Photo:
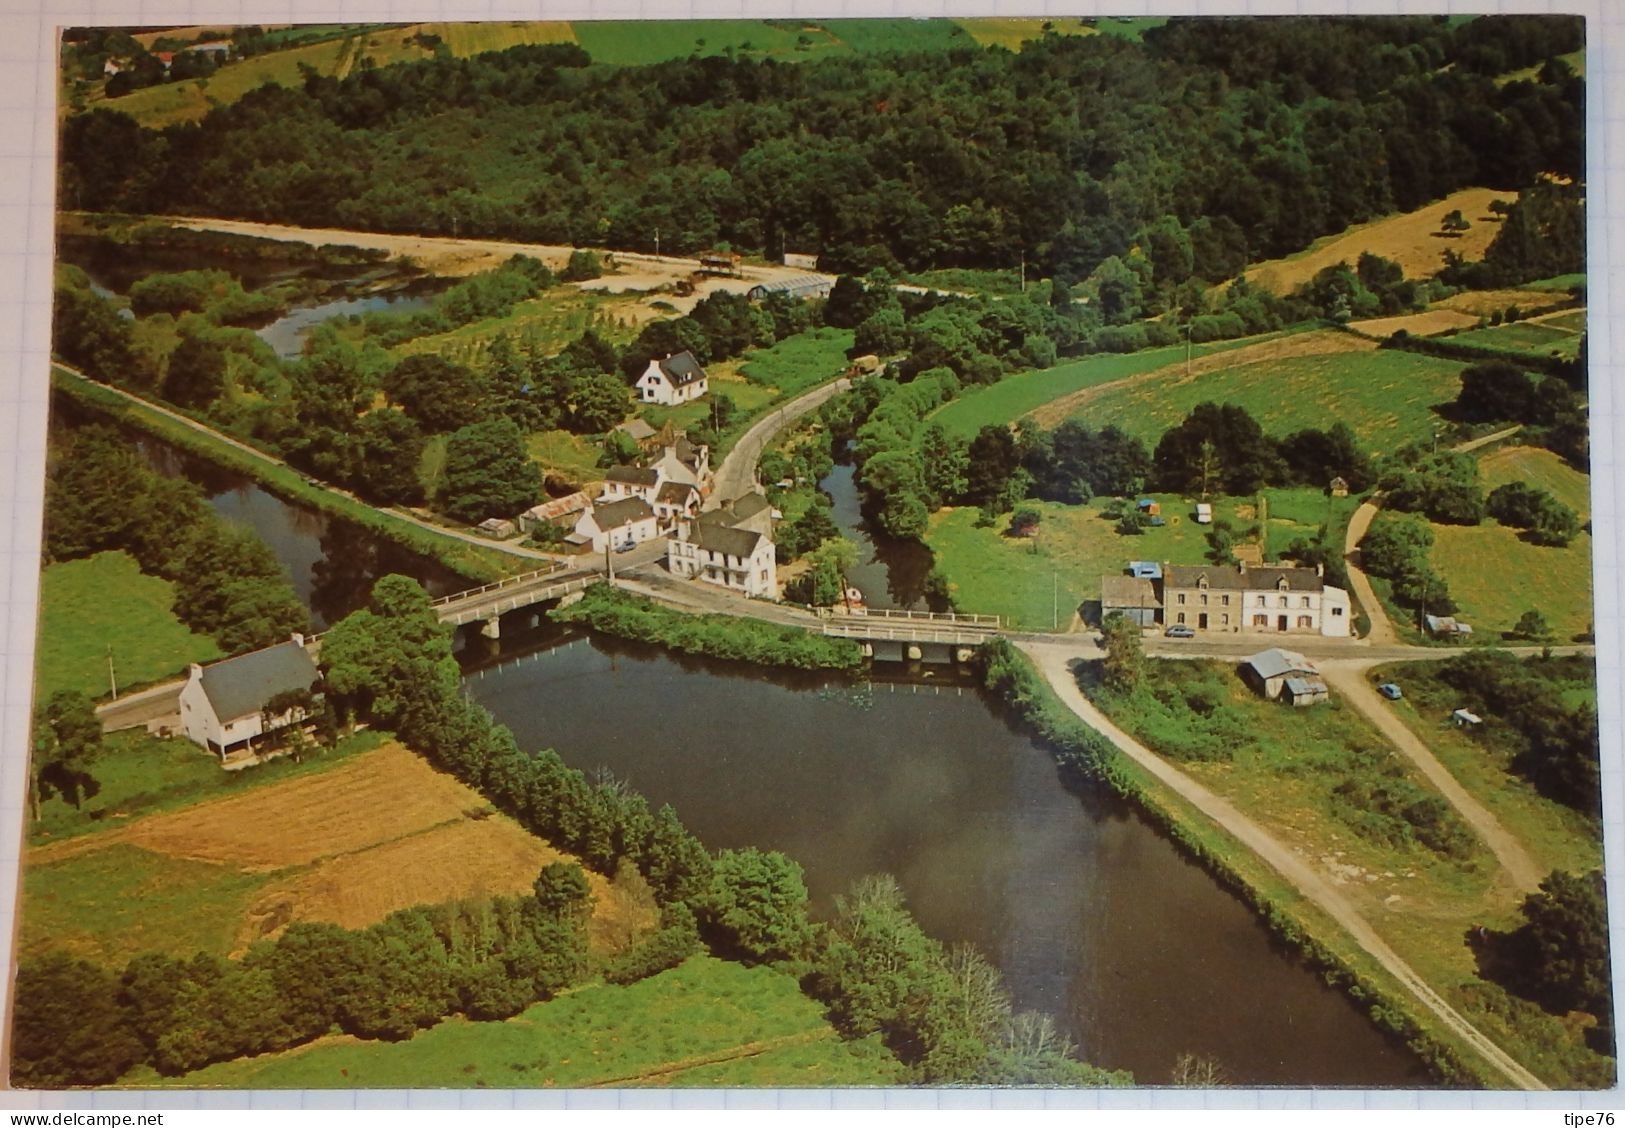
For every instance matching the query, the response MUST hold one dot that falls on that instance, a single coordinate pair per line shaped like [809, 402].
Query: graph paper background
[27, 142]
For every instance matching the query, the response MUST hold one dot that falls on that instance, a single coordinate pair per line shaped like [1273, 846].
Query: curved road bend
[737, 474]
[1055, 663]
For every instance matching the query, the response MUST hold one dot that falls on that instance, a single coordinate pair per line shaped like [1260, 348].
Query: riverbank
[474, 562]
[1324, 940]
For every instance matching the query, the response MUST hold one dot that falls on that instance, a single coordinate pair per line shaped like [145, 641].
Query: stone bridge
[914, 636]
[489, 603]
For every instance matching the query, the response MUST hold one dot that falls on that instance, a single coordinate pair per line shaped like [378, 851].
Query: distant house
[1244, 597]
[223, 704]
[114, 66]
[1275, 673]
[674, 380]
[632, 481]
[686, 462]
[750, 511]
[675, 503]
[796, 286]
[1134, 597]
[616, 524]
[560, 511]
[640, 432]
[1204, 513]
[801, 261]
[496, 528]
[1339, 487]
[1465, 719]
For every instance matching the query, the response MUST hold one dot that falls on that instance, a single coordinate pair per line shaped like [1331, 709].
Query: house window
[1261, 620]
[1182, 616]
[1225, 620]
[1304, 602]
[1204, 601]
[1182, 600]
[1283, 601]
[1337, 612]
[1225, 600]
[1306, 620]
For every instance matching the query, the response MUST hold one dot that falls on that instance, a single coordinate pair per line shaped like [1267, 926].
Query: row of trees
[102, 496]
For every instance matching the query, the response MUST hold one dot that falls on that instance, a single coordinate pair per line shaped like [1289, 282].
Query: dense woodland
[1240, 140]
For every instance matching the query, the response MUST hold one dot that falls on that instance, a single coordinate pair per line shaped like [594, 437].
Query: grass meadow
[104, 604]
[1538, 338]
[799, 362]
[1495, 577]
[1386, 396]
[702, 1024]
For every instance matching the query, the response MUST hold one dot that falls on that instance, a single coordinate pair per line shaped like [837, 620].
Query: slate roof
[1127, 591]
[1243, 579]
[638, 428]
[686, 452]
[725, 539]
[633, 475]
[1274, 662]
[675, 493]
[241, 686]
[682, 369]
[1299, 687]
[617, 514]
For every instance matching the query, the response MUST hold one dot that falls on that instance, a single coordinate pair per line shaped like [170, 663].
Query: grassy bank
[706, 1023]
[1085, 754]
[103, 607]
[478, 564]
[615, 612]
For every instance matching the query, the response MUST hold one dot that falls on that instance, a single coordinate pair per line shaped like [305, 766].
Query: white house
[632, 481]
[683, 461]
[222, 704]
[675, 504]
[1254, 598]
[617, 524]
[738, 559]
[674, 380]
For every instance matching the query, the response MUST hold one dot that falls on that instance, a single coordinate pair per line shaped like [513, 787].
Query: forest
[1240, 140]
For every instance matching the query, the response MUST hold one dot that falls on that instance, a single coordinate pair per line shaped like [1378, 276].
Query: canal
[1091, 913]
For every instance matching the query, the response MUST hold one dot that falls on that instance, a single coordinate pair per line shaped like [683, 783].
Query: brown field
[384, 831]
[1482, 303]
[1411, 239]
[1423, 324]
[1321, 342]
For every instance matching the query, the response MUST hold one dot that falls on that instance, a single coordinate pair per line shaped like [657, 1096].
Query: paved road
[737, 474]
[1056, 661]
[1349, 680]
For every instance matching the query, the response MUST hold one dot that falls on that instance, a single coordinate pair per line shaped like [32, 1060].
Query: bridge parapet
[943, 634]
[512, 581]
[951, 618]
[493, 603]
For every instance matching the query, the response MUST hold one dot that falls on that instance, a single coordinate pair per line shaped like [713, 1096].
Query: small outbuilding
[1133, 597]
[496, 528]
[1145, 569]
[1446, 626]
[1339, 487]
[1465, 719]
[1270, 672]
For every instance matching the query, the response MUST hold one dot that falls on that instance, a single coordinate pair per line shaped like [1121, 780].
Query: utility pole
[111, 679]
[1187, 350]
[657, 242]
[1023, 270]
[1055, 600]
[609, 562]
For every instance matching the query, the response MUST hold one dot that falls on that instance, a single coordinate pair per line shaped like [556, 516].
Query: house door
[1201, 620]
[1280, 622]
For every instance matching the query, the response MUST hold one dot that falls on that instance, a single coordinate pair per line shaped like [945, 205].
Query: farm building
[496, 528]
[1275, 673]
[1145, 569]
[797, 286]
[725, 263]
[674, 380]
[1446, 626]
[1148, 506]
[1134, 597]
[801, 262]
[1339, 487]
[559, 511]
[223, 704]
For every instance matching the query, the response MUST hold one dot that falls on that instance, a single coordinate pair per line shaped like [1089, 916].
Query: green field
[139, 774]
[1574, 321]
[704, 1023]
[1013, 32]
[114, 903]
[1386, 396]
[101, 603]
[1538, 467]
[546, 324]
[641, 42]
[1558, 282]
[799, 362]
[564, 456]
[1541, 339]
[1495, 577]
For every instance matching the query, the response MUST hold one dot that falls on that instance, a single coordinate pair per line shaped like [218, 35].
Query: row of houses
[1228, 599]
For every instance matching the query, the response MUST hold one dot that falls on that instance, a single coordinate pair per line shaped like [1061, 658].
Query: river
[890, 572]
[1091, 913]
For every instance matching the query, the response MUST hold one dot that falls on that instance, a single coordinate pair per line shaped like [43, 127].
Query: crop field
[704, 1023]
[1487, 303]
[1386, 396]
[466, 39]
[104, 605]
[1423, 324]
[1538, 467]
[868, 37]
[548, 323]
[641, 42]
[377, 832]
[172, 102]
[1574, 321]
[1525, 336]
[1410, 239]
[1560, 282]
[1495, 577]
[1013, 32]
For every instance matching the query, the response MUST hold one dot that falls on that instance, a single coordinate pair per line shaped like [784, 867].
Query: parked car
[1391, 691]
[1180, 632]
[627, 547]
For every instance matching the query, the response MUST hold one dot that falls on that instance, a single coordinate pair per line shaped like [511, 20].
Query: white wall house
[617, 524]
[683, 461]
[1252, 598]
[222, 704]
[738, 559]
[674, 380]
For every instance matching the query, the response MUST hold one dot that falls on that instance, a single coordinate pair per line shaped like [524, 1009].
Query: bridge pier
[868, 650]
[963, 655]
[492, 627]
[914, 652]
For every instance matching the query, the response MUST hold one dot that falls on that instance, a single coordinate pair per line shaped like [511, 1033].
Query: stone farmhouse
[223, 704]
[1230, 599]
[674, 380]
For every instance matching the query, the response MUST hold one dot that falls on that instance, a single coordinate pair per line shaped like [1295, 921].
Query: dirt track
[1055, 663]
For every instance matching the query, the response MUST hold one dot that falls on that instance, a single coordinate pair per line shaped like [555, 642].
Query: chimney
[298, 640]
[194, 672]
[1242, 565]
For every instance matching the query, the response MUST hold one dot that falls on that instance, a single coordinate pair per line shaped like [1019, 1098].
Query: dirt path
[732, 1053]
[1055, 663]
[1319, 342]
[1349, 680]
[1381, 632]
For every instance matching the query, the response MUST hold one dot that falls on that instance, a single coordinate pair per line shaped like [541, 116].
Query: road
[1055, 662]
[737, 474]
